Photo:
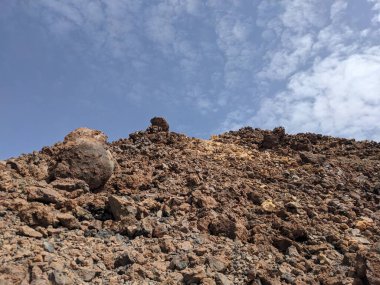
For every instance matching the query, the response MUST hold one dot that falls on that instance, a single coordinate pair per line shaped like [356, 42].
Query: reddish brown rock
[68, 220]
[37, 215]
[303, 209]
[45, 195]
[121, 207]
[224, 226]
[29, 232]
[84, 155]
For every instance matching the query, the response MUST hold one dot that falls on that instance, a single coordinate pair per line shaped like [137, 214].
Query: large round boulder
[84, 155]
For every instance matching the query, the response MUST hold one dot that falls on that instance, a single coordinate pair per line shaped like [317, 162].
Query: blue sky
[207, 66]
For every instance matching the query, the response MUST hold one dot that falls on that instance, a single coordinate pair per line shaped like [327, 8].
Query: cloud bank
[337, 96]
[329, 68]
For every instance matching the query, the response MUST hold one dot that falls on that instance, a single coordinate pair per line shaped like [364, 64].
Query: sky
[206, 66]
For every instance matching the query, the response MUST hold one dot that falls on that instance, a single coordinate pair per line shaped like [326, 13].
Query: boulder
[217, 263]
[301, 144]
[159, 124]
[85, 134]
[84, 155]
[273, 139]
[280, 132]
[194, 275]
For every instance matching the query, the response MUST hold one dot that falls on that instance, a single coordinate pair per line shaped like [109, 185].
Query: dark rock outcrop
[158, 124]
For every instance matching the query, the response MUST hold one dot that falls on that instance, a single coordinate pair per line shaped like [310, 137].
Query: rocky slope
[245, 207]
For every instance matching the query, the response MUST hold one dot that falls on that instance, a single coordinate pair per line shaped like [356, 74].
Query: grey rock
[48, 247]
[179, 262]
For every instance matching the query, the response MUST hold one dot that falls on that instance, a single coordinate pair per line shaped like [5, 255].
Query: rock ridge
[246, 207]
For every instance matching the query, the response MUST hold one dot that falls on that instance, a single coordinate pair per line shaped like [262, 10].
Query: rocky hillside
[246, 207]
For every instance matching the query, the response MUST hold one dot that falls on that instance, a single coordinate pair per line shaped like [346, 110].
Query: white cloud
[330, 70]
[338, 96]
[337, 10]
[301, 15]
[106, 25]
[293, 30]
[61, 16]
[285, 61]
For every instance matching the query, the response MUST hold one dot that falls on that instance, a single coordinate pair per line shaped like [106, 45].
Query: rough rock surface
[84, 155]
[158, 124]
[246, 207]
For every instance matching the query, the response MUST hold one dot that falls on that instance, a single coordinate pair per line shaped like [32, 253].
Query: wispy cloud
[294, 33]
[141, 41]
[208, 48]
[376, 9]
[304, 64]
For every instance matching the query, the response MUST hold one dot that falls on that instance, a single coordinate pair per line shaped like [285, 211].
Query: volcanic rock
[245, 207]
[45, 195]
[308, 157]
[224, 226]
[222, 279]
[120, 207]
[217, 263]
[84, 155]
[29, 232]
[268, 206]
[159, 124]
[270, 141]
[37, 215]
[68, 220]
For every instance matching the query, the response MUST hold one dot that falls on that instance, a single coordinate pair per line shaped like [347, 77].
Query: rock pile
[246, 207]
